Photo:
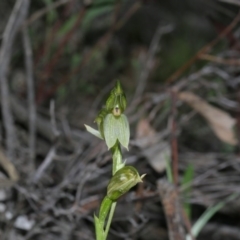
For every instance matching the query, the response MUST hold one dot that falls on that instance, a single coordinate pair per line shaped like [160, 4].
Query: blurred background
[179, 65]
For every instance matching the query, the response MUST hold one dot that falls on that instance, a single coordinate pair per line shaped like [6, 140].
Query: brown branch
[232, 61]
[55, 58]
[204, 50]
[172, 209]
[35, 16]
[174, 143]
[16, 19]
[101, 43]
[46, 45]
[51, 35]
[147, 66]
[43, 125]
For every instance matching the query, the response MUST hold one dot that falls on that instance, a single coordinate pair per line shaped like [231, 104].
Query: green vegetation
[113, 127]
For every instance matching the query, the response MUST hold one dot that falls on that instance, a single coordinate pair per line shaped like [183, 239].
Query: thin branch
[101, 43]
[205, 49]
[16, 19]
[232, 61]
[47, 161]
[149, 58]
[174, 142]
[172, 209]
[55, 130]
[55, 58]
[31, 94]
[51, 35]
[234, 2]
[44, 11]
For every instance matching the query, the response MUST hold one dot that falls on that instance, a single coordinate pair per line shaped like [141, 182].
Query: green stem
[107, 204]
[104, 209]
[110, 217]
[100, 222]
[117, 157]
[117, 164]
[98, 229]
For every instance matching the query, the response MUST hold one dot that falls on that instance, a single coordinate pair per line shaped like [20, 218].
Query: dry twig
[44, 11]
[161, 30]
[232, 61]
[9, 168]
[205, 49]
[101, 43]
[47, 161]
[174, 142]
[172, 209]
[31, 94]
[16, 19]
[234, 2]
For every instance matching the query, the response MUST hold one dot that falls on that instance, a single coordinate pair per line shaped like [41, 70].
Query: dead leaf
[6, 164]
[145, 134]
[155, 151]
[221, 122]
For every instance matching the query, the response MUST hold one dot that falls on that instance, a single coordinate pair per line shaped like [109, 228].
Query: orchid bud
[116, 102]
[124, 179]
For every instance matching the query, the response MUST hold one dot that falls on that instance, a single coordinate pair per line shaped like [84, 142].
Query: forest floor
[179, 66]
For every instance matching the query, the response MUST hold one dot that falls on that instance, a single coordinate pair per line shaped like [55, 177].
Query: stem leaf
[93, 131]
[98, 228]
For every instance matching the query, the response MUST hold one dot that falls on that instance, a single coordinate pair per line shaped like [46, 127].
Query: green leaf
[205, 217]
[93, 131]
[75, 60]
[98, 228]
[116, 128]
[120, 165]
[95, 12]
[52, 14]
[68, 24]
[104, 209]
[187, 179]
